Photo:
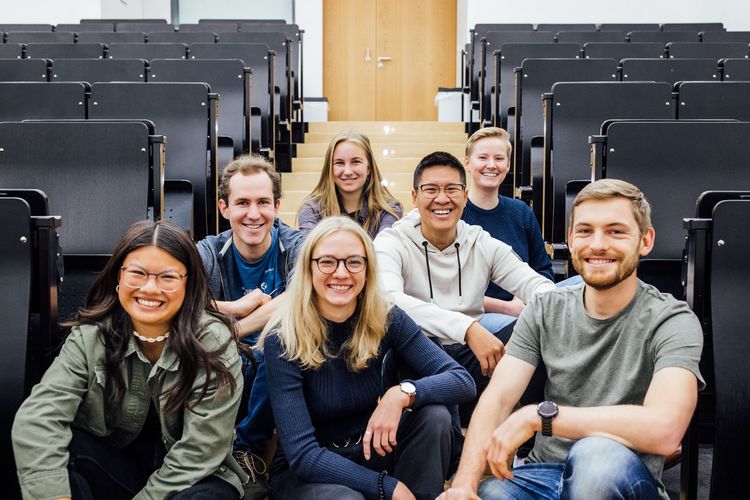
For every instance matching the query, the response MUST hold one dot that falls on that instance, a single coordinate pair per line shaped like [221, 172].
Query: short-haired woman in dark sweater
[340, 435]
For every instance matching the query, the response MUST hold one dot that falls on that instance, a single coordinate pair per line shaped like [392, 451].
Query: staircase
[398, 147]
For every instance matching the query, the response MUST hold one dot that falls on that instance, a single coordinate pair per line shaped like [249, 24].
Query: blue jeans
[257, 427]
[596, 467]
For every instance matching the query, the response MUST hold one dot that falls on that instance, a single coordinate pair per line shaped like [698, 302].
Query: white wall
[48, 11]
[309, 16]
[136, 9]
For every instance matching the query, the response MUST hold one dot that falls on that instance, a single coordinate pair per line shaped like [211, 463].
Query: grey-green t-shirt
[593, 362]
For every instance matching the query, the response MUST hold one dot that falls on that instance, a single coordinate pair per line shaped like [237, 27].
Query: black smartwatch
[547, 410]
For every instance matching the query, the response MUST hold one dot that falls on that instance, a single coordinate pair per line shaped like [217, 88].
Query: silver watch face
[547, 409]
[408, 388]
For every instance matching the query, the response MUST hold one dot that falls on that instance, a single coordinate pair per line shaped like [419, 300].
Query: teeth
[254, 226]
[149, 303]
[340, 288]
[441, 212]
[600, 261]
[489, 174]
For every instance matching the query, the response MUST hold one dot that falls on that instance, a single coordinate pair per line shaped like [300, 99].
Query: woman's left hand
[383, 424]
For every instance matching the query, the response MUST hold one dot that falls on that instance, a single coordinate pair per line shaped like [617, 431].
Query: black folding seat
[628, 27]
[23, 70]
[574, 111]
[617, 51]
[566, 27]
[692, 27]
[726, 36]
[98, 70]
[735, 69]
[481, 29]
[708, 50]
[144, 27]
[226, 77]
[673, 162]
[534, 78]
[209, 26]
[261, 61]
[511, 56]
[41, 335]
[237, 21]
[11, 50]
[664, 36]
[711, 100]
[717, 273]
[483, 51]
[582, 37]
[40, 37]
[186, 114]
[26, 27]
[85, 27]
[181, 37]
[118, 21]
[669, 70]
[64, 51]
[110, 37]
[148, 51]
[40, 100]
[280, 43]
[100, 177]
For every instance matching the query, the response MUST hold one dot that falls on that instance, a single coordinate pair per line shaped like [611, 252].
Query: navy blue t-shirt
[264, 274]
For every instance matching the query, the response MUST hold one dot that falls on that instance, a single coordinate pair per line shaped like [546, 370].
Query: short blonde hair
[605, 189]
[486, 132]
[249, 164]
[298, 323]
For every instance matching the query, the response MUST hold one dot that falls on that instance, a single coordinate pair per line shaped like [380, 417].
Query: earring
[117, 289]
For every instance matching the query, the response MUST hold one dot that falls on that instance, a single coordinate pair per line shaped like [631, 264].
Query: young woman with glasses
[342, 434]
[350, 184]
[141, 401]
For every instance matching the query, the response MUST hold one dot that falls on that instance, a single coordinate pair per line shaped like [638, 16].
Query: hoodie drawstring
[427, 260]
[458, 257]
[429, 276]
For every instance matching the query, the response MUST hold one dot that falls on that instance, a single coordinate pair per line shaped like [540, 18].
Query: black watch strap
[546, 426]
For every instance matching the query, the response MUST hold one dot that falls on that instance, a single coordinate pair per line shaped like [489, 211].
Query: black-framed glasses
[136, 277]
[328, 264]
[431, 191]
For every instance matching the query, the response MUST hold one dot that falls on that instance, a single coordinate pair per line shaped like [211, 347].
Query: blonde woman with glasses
[342, 434]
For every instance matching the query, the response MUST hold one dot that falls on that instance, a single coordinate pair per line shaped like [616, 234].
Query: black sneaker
[256, 488]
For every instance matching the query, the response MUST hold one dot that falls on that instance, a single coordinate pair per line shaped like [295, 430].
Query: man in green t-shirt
[622, 368]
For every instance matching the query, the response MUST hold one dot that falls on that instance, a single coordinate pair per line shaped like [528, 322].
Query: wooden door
[385, 59]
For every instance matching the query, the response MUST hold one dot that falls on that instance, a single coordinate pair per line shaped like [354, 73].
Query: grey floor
[671, 477]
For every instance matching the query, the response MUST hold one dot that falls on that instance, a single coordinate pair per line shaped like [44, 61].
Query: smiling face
[350, 168]
[488, 163]
[251, 212]
[440, 215]
[606, 243]
[150, 309]
[337, 293]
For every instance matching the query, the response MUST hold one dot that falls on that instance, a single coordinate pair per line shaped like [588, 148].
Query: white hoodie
[448, 299]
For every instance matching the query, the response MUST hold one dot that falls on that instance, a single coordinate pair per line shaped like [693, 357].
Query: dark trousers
[100, 471]
[420, 461]
[465, 357]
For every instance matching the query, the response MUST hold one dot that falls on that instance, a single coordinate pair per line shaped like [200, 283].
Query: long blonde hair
[378, 197]
[297, 321]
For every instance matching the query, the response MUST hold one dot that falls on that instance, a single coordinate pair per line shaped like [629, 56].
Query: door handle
[367, 55]
[384, 58]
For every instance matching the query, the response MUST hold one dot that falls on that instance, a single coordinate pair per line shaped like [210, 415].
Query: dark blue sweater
[513, 223]
[314, 408]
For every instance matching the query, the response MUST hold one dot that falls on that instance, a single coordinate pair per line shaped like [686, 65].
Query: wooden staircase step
[391, 150]
[385, 127]
[401, 138]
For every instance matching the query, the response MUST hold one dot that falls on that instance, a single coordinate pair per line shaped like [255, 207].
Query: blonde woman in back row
[350, 184]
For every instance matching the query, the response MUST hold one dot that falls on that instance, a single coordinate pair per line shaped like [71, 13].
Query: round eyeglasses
[328, 264]
[135, 277]
[431, 191]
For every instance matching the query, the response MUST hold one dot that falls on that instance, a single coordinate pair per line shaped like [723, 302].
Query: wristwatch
[547, 410]
[410, 390]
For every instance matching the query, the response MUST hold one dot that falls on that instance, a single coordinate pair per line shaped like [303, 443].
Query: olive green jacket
[71, 394]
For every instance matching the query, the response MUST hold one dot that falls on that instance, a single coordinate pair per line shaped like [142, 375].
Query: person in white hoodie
[437, 268]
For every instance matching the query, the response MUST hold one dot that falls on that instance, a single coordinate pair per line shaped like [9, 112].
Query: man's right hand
[249, 302]
[458, 493]
[487, 348]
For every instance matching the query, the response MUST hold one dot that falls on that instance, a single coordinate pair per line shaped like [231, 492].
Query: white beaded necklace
[151, 340]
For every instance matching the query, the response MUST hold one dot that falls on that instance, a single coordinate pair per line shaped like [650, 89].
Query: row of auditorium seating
[248, 115]
[292, 32]
[489, 73]
[159, 25]
[481, 28]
